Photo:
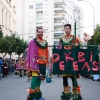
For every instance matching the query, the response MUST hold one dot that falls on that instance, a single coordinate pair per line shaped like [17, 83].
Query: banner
[76, 61]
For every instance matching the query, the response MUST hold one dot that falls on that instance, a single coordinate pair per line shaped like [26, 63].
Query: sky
[88, 14]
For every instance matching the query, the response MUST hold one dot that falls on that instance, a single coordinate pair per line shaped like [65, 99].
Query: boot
[30, 91]
[78, 92]
[38, 92]
[66, 94]
[67, 89]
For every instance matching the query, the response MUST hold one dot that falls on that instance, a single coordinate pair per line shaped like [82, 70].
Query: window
[38, 27]
[40, 13]
[56, 42]
[31, 29]
[30, 6]
[9, 22]
[57, 35]
[39, 21]
[30, 0]
[30, 14]
[2, 16]
[30, 21]
[70, 17]
[13, 24]
[46, 21]
[45, 37]
[39, 6]
[9, 1]
[45, 12]
[46, 5]
[45, 30]
[14, 8]
[6, 20]
[58, 21]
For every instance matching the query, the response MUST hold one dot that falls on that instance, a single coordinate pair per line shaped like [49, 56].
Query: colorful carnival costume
[69, 40]
[20, 67]
[37, 58]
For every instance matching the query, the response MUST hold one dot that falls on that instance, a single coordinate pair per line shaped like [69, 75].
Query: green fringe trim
[66, 41]
[73, 96]
[43, 44]
[70, 95]
[66, 95]
[16, 73]
[35, 95]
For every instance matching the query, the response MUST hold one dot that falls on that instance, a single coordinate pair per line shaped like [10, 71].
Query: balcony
[56, 42]
[59, 1]
[39, 7]
[39, 24]
[58, 23]
[58, 35]
[59, 8]
[39, 14]
[59, 15]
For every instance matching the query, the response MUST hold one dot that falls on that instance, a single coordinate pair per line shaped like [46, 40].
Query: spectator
[0, 66]
[5, 69]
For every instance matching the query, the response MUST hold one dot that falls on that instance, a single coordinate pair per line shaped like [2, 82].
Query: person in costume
[37, 58]
[28, 72]
[68, 39]
[21, 66]
[16, 72]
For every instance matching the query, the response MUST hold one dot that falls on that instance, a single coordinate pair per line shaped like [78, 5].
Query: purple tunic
[17, 66]
[32, 56]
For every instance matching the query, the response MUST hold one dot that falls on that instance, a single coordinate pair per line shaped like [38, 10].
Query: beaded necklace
[41, 43]
[66, 41]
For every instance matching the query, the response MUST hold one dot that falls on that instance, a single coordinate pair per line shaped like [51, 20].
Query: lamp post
[93, 13]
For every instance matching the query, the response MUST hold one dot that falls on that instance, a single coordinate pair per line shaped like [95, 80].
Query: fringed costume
[37, 58]
[67, 94]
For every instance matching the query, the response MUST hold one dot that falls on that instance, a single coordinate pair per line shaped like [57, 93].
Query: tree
[10, 44]
[95, 40]
[12, 40]
[5, 45]
[21, 47]
[1, 34]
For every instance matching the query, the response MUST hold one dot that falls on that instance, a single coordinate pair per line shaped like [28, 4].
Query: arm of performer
[78, 41]
[48, 55]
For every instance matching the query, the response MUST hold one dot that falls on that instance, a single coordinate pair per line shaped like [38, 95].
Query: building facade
[79, 19]
[49, 14]
[8, 16]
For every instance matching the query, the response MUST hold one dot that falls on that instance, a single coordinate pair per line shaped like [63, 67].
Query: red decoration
[75, 66]
[62, 66]
[95, 65]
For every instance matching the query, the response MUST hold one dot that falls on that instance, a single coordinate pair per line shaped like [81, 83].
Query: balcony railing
[39, 22]
[39, 7]
[57, 37]
[59, 15]
[59, 1]
[59, 9]
[39, 15]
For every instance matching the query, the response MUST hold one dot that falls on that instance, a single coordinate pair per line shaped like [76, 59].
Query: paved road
[14, 88]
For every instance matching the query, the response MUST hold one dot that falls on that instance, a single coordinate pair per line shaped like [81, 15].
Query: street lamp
[93, 13]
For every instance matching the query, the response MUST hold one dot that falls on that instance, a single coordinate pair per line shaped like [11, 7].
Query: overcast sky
[88, 13]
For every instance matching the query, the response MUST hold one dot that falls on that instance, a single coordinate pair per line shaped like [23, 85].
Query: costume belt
[42, 57]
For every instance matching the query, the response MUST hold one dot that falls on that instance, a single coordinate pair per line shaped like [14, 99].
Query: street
[14, 88]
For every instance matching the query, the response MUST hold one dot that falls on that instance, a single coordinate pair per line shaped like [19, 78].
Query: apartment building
[8, 16]
[63, 13]
[49, 14]
[79, 19]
